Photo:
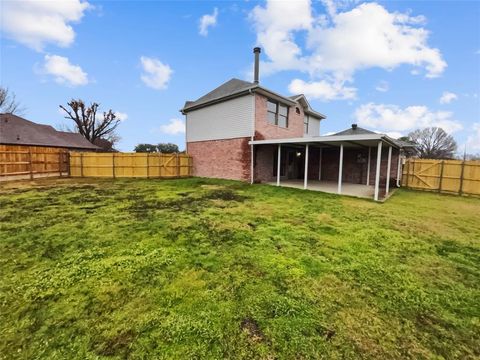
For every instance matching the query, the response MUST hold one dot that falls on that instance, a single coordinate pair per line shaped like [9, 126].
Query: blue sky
[391, 66]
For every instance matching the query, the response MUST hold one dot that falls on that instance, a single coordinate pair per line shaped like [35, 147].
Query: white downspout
[340, 170]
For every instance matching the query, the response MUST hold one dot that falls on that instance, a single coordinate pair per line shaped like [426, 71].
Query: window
[277, 114]
[305, 124]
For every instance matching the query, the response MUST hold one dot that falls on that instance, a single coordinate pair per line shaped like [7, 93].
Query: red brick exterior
[224, 159]
[265, 130]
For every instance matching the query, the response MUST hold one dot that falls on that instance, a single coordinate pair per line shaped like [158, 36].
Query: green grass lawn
[197, 268]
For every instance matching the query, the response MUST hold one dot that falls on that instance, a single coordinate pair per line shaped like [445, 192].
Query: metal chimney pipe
[257, 52]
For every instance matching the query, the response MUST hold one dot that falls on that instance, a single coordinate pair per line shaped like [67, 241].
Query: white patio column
[278, 163]
[340, 170]
[389, 165]
[305, 173]
[320, 165]
[368, 165]
[377, 171]
[399, 169]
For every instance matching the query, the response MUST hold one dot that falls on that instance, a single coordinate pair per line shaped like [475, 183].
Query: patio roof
[357, 140]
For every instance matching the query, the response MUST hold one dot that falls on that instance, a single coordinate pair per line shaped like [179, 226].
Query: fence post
[148, 166]
[413, 171]
[68, 163]
[460, 191]
[441, 176]
[30, 162]
[407, 172]
[60, 162]
[177, 160]
[113, 165]
[81, 164]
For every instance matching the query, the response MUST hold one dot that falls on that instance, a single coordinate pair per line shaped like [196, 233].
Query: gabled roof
[307, 108]
[227, 89]
[15, 130]
[236, 87]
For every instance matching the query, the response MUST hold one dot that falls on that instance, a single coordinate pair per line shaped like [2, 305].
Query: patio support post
[320, 165]
[377, 171]
[305, 173]
[340, 170]
[278, 163]
[389, 166]
[368, 165]
[399, 168]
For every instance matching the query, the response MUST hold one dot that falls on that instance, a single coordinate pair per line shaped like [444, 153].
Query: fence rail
[113, 165]
[30, 162]
[445, 176]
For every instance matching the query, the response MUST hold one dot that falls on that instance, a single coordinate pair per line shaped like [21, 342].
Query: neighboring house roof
[355, 130]
[15, 130]
[236, 87]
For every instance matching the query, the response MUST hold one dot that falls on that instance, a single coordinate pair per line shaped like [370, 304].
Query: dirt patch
[250, 327]
[118, 345]
[225, 195]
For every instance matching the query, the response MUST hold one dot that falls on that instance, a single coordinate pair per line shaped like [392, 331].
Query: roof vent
[354, 126]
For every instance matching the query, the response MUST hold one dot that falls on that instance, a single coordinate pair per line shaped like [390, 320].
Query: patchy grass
[199, 268]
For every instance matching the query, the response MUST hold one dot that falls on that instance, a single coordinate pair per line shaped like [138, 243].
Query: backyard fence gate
[445, 176]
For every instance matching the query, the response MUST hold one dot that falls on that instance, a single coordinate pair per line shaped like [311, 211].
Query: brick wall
[265, 130]
[356, 172]
[224, 159]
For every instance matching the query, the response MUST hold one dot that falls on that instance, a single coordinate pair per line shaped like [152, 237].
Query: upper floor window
[277, 113]
[305, 124]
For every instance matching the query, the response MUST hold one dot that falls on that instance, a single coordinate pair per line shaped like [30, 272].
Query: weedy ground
[197, 268]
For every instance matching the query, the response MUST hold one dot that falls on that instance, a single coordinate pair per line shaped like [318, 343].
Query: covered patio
[362, 165]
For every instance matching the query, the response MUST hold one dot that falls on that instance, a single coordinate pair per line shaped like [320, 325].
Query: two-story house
[244, 131]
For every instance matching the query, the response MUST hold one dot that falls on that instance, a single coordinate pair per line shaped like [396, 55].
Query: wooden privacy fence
[31, 162]
[446, 176]
[147, 165]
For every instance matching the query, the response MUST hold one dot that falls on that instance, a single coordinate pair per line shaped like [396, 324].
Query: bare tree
[88, 123]
[433, 143]
[9, 103]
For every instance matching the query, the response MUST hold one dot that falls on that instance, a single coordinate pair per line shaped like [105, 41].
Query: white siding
[313, 126]
[226, 120]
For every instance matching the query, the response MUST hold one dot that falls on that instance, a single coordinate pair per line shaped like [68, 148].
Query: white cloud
[341, 43]
[156, 74]
[206, 21]
[36, 23]
[322, 90]
[394, 134]
[393, 118]
[174, 127]
[121, 115]
[382, 86]
[447, 97]
[63, 71]
[473, 140]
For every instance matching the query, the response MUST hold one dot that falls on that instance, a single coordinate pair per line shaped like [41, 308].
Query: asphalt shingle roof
[231, 87]
[15, 130]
